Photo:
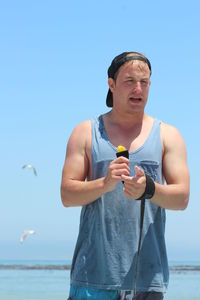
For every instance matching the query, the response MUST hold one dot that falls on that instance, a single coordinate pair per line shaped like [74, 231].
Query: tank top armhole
[94, 121]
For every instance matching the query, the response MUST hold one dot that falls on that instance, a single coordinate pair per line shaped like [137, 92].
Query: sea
[42, 280]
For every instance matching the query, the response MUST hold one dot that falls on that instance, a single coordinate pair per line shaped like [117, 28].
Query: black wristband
[149, 189]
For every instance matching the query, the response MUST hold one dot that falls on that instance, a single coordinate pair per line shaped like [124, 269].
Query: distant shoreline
[172, 268]
[34, 267]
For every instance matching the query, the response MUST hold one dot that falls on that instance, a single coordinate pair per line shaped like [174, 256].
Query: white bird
[25, 234]
[29, 166]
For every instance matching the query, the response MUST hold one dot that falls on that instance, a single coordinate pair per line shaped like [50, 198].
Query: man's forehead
[135, 67]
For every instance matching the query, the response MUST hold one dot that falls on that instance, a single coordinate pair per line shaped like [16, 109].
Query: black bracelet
[149, 189]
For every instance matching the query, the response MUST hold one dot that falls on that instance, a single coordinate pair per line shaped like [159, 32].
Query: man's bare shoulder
[80, 136]
[170, 135]
[168, 129]
[83, 128]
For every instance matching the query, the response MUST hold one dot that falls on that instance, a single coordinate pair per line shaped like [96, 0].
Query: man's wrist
[149, 189]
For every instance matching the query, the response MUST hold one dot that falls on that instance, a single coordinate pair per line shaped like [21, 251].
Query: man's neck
[126, 121]
[131, 132]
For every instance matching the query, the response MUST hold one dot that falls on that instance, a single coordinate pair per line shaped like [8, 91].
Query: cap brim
[109, 99]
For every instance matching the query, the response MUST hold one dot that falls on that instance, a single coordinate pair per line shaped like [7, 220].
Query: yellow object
[121, 148]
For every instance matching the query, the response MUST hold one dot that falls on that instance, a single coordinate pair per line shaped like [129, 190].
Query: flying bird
[29, 166]
[25, 234]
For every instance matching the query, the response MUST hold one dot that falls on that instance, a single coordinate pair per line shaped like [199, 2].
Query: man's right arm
[75, 189]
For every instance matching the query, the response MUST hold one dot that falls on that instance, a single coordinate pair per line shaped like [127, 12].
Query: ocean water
[42, 280]
[34, 280]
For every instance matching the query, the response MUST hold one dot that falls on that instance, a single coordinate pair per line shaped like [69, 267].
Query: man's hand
[134, 186]
[118, 167]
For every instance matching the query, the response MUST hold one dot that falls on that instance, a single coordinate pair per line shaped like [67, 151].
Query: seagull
[29, 166]
[25, 234]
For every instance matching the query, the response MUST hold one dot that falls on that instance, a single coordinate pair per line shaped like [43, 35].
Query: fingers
[137, 178]
[119, 170]
[133, 181]
[138, 171]
[121, 159]
[134, 186]
[134, 190]
[120, 166]
[116, 168]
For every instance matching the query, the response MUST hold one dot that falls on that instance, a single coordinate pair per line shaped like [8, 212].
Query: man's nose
[137, 86]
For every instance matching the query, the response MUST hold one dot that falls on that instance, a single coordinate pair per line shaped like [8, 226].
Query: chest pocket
[150, 167]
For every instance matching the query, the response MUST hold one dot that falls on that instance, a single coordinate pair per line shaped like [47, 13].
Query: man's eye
[144, 82]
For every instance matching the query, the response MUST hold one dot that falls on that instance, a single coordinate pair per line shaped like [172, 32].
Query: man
[107, 262]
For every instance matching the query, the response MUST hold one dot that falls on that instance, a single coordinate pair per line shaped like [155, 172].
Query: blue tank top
[106, 248]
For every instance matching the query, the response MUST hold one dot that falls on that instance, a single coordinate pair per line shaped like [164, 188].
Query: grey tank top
[106, 248]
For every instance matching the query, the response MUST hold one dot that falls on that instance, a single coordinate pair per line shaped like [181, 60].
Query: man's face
[131, 88]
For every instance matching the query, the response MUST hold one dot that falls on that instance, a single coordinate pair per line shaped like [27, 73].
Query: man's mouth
[135, 99]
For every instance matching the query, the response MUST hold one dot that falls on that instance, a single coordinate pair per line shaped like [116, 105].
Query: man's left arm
[174, 194]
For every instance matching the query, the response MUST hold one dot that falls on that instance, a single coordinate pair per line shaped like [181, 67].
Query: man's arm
[75, 189]
[175, 194]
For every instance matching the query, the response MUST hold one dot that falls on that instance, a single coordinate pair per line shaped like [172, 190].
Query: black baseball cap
[117, 62]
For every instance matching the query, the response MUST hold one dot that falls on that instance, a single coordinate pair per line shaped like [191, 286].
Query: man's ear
[111, 84]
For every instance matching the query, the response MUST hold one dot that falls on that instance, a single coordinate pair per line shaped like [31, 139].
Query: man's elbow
[65, 198]
[185, 201]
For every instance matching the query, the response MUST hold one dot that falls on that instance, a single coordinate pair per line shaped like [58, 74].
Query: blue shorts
[84, 293]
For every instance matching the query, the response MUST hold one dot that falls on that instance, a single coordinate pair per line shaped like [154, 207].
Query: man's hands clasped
[134, 186]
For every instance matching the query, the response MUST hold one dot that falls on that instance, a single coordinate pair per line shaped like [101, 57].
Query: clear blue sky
[54, 57]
